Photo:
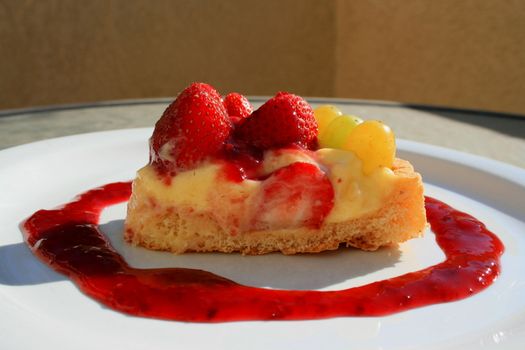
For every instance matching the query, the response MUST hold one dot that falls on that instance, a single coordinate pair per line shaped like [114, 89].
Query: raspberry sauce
[69, 240]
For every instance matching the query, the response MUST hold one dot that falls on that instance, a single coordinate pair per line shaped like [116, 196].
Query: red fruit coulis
[68, 240]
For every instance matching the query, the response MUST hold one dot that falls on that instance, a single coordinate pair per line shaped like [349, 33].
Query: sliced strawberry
[237, 106]
[297, 195]
[283, 120]
[192, 128]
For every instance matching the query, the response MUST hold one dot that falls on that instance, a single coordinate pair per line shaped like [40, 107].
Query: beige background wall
[467, 54]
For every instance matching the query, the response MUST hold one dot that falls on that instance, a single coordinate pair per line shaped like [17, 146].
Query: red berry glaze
[70, 241]
[297, 195]
[192, 128]
[283, 120]
[237, 106]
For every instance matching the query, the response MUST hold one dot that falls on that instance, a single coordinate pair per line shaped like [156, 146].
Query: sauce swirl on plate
[69, 240]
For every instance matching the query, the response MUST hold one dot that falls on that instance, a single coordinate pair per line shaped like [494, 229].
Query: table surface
[493, 136]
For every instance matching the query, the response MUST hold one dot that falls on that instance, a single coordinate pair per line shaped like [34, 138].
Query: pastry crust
[401, 217]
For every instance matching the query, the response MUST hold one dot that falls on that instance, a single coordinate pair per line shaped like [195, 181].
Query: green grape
[338, 131]
[324, 115]
[374, 143]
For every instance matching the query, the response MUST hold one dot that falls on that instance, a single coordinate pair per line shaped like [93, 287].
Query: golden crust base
[401, 217]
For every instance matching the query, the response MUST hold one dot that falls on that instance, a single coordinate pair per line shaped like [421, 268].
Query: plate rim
[512, 173]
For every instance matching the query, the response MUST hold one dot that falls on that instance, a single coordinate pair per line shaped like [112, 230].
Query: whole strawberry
[192, 128]
[237, 106]
[283, 120]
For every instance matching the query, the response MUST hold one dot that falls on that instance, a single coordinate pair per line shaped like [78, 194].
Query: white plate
[41, 308]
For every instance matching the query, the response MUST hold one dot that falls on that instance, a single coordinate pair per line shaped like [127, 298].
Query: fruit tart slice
[225, 178]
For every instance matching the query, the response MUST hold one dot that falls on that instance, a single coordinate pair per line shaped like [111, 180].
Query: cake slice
[224, 178]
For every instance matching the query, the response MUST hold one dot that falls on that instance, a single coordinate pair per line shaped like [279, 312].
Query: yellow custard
[204, 189]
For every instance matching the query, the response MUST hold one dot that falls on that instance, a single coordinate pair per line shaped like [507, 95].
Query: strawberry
[283, 120]
[297, 195]
[237, 106]
[192, 128]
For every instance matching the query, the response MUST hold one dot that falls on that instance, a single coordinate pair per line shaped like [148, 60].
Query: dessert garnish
[286, 178]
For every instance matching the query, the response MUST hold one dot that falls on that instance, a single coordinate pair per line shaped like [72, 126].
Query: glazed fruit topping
[301, 190]
[324, 115]
[374, 143]
[283, 120]
[237, 106]
[338, 131]
[199, 124]
[193, 127]
[371, 141]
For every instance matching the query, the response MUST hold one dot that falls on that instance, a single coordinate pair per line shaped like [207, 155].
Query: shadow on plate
[278, 271]
[19, 267]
